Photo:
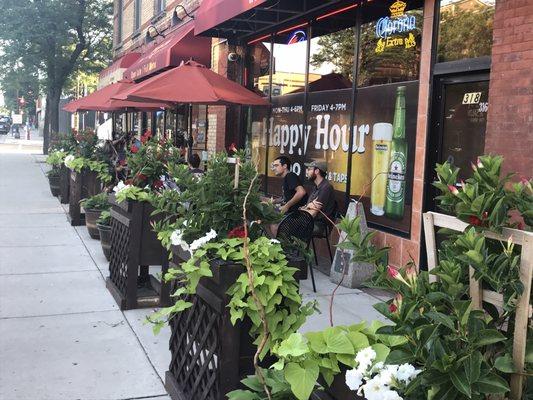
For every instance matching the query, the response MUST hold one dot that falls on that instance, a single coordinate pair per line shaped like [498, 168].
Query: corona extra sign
[389, 30]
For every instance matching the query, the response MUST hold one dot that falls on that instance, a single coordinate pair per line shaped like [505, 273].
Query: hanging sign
[396, 30]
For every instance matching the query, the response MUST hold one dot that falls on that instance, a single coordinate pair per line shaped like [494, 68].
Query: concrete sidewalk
[61, 333]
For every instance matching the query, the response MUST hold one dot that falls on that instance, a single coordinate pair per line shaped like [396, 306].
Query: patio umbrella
[102, 100]
[192, 83]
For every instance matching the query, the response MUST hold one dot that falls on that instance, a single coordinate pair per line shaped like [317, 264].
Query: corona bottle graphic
[395, 202]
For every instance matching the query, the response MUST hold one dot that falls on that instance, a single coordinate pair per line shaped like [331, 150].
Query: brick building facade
[504, 74]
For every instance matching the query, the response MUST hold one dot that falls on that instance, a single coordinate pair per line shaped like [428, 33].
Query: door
[458, 128]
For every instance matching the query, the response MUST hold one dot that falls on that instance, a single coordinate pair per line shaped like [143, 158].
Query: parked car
[5, 125]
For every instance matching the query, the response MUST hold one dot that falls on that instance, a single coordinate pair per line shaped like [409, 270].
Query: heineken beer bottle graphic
[394, 204]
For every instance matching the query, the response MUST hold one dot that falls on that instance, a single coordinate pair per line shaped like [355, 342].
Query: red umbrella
[102, 100]
[192, 83]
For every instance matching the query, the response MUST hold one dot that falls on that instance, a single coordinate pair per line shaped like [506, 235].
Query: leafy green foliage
[97, 202]
[105, 218]
[133, 193]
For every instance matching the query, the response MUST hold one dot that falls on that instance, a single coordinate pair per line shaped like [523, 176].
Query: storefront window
[390, 45]
[465, 29]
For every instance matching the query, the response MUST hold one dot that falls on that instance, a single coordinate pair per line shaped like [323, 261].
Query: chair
[298, 224]
[322, 230]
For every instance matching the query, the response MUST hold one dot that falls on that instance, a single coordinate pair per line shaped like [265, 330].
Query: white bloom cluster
[177, 238]
[196, 244]
[120, 187]
[68, 160]
[274, 241]
[381, 381]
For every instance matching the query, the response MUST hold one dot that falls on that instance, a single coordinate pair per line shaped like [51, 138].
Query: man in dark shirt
[294, 194]
[322, 198]
[194, 165]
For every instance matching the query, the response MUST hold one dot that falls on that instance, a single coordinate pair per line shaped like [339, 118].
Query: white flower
[274, 241]
[354, 379]
[69, 159]
[364, 358]
[177, 240]
[390, 395]
[406, 372]
[120, 187]
[373, 389]
[196, 244]
[387, 374]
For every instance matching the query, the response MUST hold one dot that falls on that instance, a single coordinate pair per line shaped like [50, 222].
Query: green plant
[105, 218]
[96, 202]
[56, 158]
[212, 202]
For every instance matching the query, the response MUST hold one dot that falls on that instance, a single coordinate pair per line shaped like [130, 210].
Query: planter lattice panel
[118, 263]
[134, 248]
[195, 349]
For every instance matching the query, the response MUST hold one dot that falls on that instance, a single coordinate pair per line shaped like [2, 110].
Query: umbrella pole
[190, 138]
[113, 133]
[165, 123]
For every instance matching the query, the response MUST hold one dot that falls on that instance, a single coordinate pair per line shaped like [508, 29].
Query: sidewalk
[61, 333]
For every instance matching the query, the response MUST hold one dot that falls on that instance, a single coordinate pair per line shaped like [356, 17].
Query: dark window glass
[119, 22]
[159, 6]
[465, 29]
[390, 45]
[137, 15]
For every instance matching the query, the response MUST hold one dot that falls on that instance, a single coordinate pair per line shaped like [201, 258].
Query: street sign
[17, 119]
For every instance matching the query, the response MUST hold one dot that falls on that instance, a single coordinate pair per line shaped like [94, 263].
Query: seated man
[322, 198]
[294, 194]
[194, 165]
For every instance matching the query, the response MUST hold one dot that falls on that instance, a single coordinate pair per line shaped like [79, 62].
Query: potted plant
[62, 145]
[93, 207]
[135, 246]
[53, 180]
[103, 224]
[90, 168]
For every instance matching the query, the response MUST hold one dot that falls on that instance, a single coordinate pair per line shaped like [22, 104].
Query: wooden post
[431, 246]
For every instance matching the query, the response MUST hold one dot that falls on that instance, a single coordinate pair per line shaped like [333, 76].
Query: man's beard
[312, 178]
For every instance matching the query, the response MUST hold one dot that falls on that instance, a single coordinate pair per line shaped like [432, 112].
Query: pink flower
[473, 220]
[232, 147]
[134, 149]
[393, 308]
[453, 190]
[237, 232]
[479, 163]
[411, 274]
[393, 273]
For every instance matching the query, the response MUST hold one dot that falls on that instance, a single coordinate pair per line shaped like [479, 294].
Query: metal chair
[322, 230]
[298, 224]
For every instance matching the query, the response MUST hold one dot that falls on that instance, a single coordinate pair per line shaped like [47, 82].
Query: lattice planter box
[209, 355]
[64, 184]
[82, 185]
[134, 248]
[479, 294]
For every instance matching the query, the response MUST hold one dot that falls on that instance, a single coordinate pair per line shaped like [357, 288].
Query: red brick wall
[510, 115]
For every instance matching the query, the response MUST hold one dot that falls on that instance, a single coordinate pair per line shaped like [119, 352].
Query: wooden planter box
[82, 185]
[64, 184]
[53, 180]
[209, 356]
[135, 247]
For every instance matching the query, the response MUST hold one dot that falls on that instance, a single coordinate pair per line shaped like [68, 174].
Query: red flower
[453, 190]
[392, 272]
[393, 308]
[473, 220]
[128, 181]
[232, 147]
[134, 149]
[157, 184]
[146, 137]
[122, 162]
[237, 232]
[140, 177]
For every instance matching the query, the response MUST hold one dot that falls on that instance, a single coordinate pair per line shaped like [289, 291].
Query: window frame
[137, 8]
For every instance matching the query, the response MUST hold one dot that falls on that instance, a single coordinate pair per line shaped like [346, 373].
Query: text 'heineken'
[394, 204]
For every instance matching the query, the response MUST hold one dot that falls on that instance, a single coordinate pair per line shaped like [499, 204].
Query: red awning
[192, 83]
[213, 12]
[101, 100]
[180, 45]
[123, 62]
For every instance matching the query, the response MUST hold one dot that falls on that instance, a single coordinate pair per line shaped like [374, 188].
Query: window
[119, 22]
[465, 29]
[159, 7]
[137, 15]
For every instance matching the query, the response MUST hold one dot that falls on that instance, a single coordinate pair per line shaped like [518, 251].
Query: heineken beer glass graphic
[381, 148]
[394, 204]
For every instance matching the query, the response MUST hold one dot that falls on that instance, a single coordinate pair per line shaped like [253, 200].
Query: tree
[58, 37]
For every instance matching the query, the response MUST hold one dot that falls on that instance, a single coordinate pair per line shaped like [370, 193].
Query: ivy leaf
[359, 340]
[382, 352]
[294, 346]
[302, 378]
[337, 342]
[317, 342]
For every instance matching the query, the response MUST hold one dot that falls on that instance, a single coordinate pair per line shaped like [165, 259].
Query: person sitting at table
[194, 165]
[322, 198]
[294, 194]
